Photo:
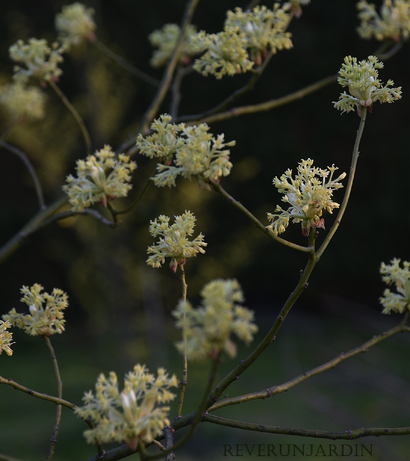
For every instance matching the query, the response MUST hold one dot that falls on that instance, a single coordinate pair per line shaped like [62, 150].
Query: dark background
[120, 308]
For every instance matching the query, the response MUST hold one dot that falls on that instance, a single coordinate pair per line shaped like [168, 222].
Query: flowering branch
[347, 435]
[75, 114]
[270, 392]
[23, 157]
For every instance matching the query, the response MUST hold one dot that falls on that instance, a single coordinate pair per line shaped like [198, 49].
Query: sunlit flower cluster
[5, 338]
[74, 24]
[40, 60]
[308, 194]
[100, 177]
[174, 241]
[392, 23]
[165, 40]
[208, 328]
[400, 277]
[365, 88]
[248, 36]
[192, 150]
[46, 311]
[135, 414]
[23, 102]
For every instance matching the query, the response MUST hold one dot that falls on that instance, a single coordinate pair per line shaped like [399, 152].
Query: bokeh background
[120, 309]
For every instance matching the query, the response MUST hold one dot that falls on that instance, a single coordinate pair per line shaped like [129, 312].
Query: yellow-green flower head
[74, 24]
[224, 54]
[365, 88]
[308, 194]
[40, 60]
[165, 40]
[99, 177]
[23, 102]
[247, 38]
[208, 328]
[192, 150]
[400, 277]
[174, 241]
[5, 338]
[263, 30]
[135, 414]
[392, 23]
[46, 311]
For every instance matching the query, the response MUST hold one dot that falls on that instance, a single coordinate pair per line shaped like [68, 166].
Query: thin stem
[266, 393]
[255, 220]
[347, 435]
[184, 377]
[176, 87]
[166, 79]
[23, 157]
[32, 226]
[208, 117]
[53, 438]
[271, 335]
[124, 63]
[69, 214]
[75, 114]
[346, 197]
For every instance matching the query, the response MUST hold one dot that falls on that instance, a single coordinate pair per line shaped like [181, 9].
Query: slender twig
[184, 377]
[266, 393]
[8, 458]
[75, 114]
[53, 438]
[69, 214]
[255, 220]
[166, 80]
[271, 335]
[262, 107]
[23, 157]
[176, 87]
[124, 63]
[15, 242]
[348, 190]
[347, 435]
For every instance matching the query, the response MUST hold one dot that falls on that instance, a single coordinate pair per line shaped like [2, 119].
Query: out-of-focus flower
[308, 195]
[46, 311]
[174, 242]
[365, 88]
[135, 414]
[23, 102]
[165, 40]
[40, 60]
[5, 338]
[100, 177]
[208, 328]
[400, 277]
[392, 23]
[74, 24]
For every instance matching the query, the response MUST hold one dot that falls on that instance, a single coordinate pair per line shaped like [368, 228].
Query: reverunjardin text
[289, 449]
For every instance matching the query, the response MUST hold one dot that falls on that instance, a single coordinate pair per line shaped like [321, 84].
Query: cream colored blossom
[308, 194]
[23, 102]
[208, 328]
[5, 338]
[137, 413]
[46, 311]
[400, 277]
[174, 241]
[100, 177]
[74, 24]
[40, 60]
